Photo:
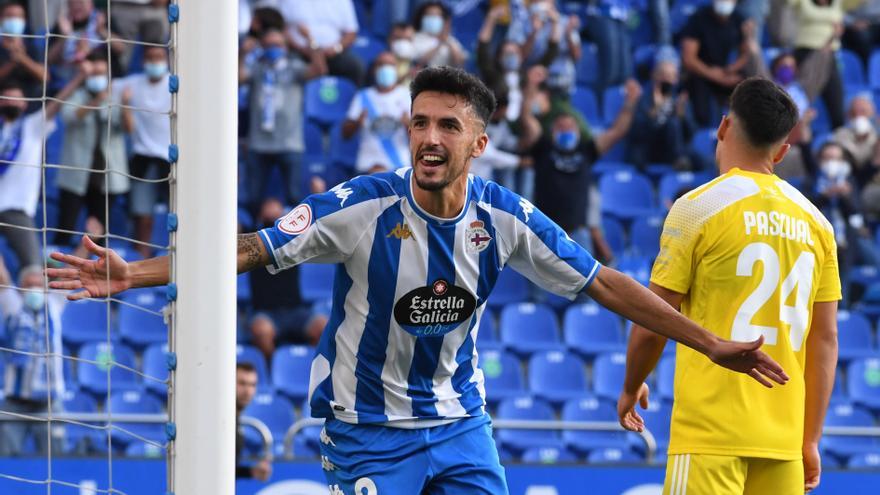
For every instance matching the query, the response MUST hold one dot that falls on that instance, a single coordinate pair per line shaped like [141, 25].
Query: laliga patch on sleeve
[297, 221]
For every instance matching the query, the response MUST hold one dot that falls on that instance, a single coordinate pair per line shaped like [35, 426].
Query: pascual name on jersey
[434, 310]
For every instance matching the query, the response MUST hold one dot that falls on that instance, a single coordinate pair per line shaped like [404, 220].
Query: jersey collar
[431, 218]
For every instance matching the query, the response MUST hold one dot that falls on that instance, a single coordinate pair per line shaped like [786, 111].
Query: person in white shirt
[21, 156]
[381, 114]
[147, 103]
[329, 26]
[433, 42]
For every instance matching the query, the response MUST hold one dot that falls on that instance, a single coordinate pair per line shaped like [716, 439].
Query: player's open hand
[90, 275]
[746, 357]
[626, 408]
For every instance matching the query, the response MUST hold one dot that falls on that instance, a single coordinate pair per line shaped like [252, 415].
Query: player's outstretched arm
[90, 277]
[821, 364]
[628, 298]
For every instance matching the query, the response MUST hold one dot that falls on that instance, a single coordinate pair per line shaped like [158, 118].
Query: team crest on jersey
[297, 221]
[434, 310]
[477, 237]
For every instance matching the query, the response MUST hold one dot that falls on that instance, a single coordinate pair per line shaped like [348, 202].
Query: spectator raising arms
[433, 43]
[20, 59]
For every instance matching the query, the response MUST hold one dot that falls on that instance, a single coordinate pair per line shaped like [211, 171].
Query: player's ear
[480, 145]
[722, 128]
[781, 152]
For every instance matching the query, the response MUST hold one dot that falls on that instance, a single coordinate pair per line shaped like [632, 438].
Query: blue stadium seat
[291, 366]
[139, 327]
[487, 334]
[590, 329]
[84, 321]
[606, 166]
[557, 376]
[666, 378]
[135, 402]
[644, 237]
[466, 24]
[548, 455]
[314, 139]
[277, 413]
[608, 372]
[327, 98]
[368, 48]
[822, 123]
[503, 375]
[584, 100]
[316, 281]
[615, 236]
[511, 287]
[380, 18]
[77, 437]
[863, 382]
[594, 410]
[854, 336]
[243, 289]
[851, 69]
[307, 443]
[874, 69]
[155, 365]
[844, 414]
[703, 144]
[637, 267]
[869, 460]
[588, 65]
[159, 234]
[614, 455]
[657, 418]
[626, 195]
[525, 407]
[343, 151]
[672, 184]
[527, 328]
[93, 377]
[612, 101]
[250, 354]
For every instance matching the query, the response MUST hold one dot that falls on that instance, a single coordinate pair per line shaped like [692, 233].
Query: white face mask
[861, 125]
[724, 7]
[403, 49]
[34, 300]
[835, 169]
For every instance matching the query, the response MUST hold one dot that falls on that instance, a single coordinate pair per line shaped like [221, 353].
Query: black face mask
[10, 112]
[666, 88]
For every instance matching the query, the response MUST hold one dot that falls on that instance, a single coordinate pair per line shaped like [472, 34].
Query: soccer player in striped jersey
[417, 253]
[745, 255]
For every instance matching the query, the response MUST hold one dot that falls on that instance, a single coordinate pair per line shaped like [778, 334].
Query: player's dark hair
[454, 81]
[245, 366]
[765, 110]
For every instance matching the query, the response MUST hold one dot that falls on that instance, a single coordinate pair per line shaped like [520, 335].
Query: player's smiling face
[444, 134]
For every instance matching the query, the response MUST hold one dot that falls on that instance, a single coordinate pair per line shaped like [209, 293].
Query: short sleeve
[348, 19]
[319, 230]
[829, 278]
[674, 266]
[356, 106]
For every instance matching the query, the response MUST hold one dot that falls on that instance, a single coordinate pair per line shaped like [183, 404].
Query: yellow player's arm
[645, 347]
[821, 365]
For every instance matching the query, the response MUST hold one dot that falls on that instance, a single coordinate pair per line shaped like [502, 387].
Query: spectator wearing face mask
[563, 160]
[858, 137]
[709, 39]
[538, 32]
[837, 197]
[784, 72]
[663, 122]
[796, 165]
[84, 29]
[94, 149]
[150, 136]
[33, 327]
[20, 59]
[507, 66]
[434, 43]
[275, 137]
[501, 160]
[400, 41]
[381, 114]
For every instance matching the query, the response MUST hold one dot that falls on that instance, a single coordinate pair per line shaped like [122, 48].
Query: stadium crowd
[606, 114]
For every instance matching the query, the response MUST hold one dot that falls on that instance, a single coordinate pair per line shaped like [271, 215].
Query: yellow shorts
[703, 474]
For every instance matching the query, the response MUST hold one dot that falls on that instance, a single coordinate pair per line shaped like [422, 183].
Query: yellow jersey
[751, 255]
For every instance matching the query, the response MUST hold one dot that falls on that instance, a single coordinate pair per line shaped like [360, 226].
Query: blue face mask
[273, 54]
[34, 300]
[566, 140]
[432, 24]
[155, 70]
[96, 84]
[386, 76]
[13, 25]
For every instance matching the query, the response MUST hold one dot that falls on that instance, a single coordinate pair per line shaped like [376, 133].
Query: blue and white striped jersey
[410, 289]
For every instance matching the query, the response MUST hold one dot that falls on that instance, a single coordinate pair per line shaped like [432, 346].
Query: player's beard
[450, 175]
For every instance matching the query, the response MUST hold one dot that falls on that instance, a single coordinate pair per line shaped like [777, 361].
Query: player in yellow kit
[745, 255]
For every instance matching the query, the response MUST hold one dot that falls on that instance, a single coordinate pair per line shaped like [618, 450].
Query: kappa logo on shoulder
[400, 231]
[342, 193]
[527, 208]
[297, 221]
